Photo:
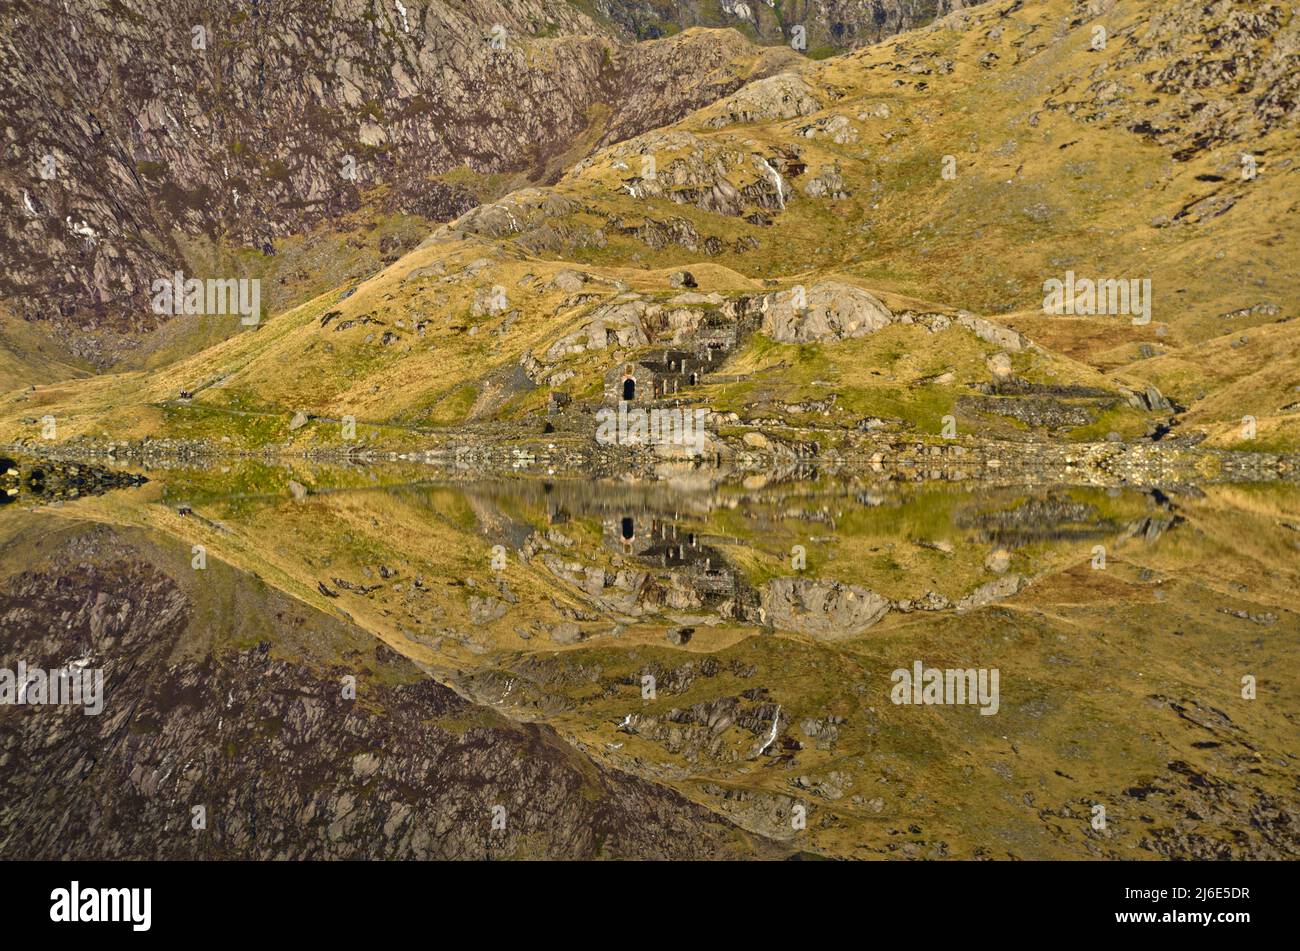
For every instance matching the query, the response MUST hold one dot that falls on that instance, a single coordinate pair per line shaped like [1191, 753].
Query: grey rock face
[996, 334]
[985, 594]
[841, 24]
[285, 116]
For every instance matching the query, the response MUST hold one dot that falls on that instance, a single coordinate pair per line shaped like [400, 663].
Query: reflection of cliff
[222, 693]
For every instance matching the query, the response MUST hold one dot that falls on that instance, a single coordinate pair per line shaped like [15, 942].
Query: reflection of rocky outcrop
[682, 571]
[1197, 801]
[265, 739]
[1054, 518]
[992, 591]
[825, 610]
[38, 481]
[703, 730]
[682, 574]
[1150, 529]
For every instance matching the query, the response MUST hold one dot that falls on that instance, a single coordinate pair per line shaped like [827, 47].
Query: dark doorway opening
[629, 388]
[627, 529]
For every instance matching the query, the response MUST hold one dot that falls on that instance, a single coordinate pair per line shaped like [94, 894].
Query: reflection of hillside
[566, 631]
[225, 692]
[1056, 519]
[42, 481]
[634, 552]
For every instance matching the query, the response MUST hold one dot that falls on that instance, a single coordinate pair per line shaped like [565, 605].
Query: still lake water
[751, 643]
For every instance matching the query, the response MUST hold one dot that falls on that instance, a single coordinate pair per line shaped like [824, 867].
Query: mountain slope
[829, 25]
[1116, 161]
[139, 137]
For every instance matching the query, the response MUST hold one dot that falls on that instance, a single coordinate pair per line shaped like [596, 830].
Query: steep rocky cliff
[140, 139]
[828, 24]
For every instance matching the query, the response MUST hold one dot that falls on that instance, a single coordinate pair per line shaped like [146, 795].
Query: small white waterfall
[776, 720]
[776, 177]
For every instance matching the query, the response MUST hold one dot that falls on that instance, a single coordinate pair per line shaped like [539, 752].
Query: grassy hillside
[1121, 162]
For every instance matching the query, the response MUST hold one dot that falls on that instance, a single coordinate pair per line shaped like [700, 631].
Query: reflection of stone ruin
[658, 541]
[688, 569]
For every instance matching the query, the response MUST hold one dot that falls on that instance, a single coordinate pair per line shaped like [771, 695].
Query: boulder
[679, 636]
[1000, 366]
[998, 561]
[566, 632]
[569, 280]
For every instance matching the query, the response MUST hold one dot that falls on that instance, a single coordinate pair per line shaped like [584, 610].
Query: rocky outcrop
[629, 322]
[1036, 411]
[784, 96]
[992, 591]
[826, 311]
